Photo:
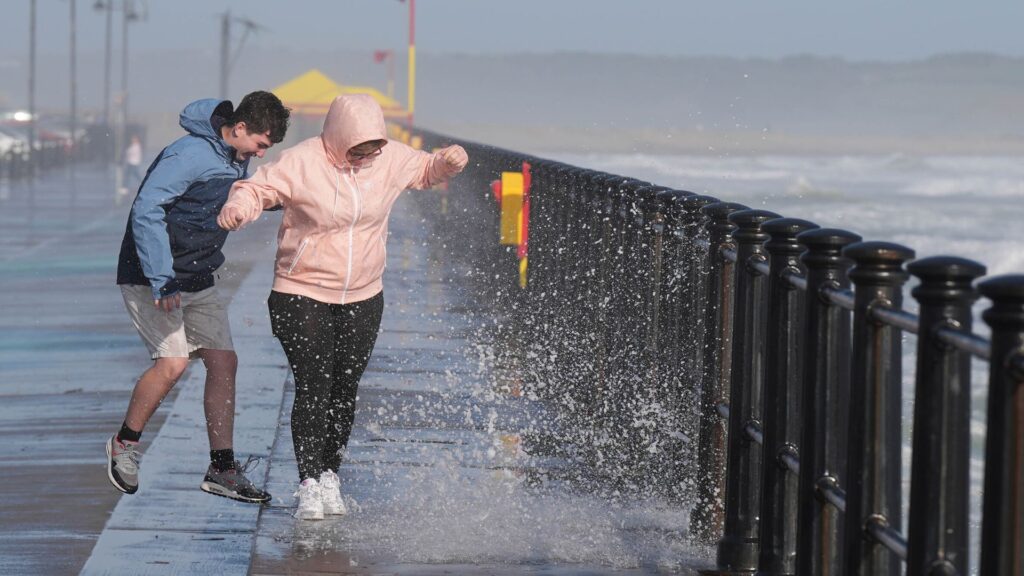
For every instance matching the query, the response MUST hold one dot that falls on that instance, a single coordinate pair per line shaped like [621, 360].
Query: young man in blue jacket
[171, 248]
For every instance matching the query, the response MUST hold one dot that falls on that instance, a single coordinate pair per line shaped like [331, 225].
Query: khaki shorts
[201, 322]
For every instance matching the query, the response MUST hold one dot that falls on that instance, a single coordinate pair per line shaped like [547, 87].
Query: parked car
[12, 140]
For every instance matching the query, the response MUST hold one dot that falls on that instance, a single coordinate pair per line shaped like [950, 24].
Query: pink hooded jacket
[331, 244]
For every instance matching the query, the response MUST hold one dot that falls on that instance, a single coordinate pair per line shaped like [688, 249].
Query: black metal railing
[750, 364]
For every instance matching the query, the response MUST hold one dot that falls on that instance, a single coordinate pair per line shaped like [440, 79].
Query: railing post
[642, 312]
[541, 266]
[782, 415]
[545, 261]
[601, 205]
[709, 513]
[620, 298]
[636, 296]
[738, 547]
[592, 309]
[824, 401]
[1002, 524]
[876, 388]
[687, 328]
[573, 355]
[692, 330]
[669, 384]
[940, 473]
[624, 333]
[652, 225]
[669, 247]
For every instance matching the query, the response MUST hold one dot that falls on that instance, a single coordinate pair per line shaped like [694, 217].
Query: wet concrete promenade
[437, 470]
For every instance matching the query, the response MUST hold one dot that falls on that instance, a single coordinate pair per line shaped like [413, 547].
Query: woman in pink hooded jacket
[337, 190]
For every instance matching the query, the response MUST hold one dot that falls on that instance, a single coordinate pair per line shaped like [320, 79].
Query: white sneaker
[330, 494]
[311, 506]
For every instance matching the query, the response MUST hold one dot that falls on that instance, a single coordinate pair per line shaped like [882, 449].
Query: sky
[853, 30]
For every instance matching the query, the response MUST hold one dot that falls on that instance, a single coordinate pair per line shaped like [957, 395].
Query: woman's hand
[455, 156]
[231, 218]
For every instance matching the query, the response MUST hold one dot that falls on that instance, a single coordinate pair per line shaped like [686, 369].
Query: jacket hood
[352, 119]
[196, 117]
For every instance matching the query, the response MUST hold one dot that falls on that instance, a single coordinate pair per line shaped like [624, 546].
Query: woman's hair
[262, 112]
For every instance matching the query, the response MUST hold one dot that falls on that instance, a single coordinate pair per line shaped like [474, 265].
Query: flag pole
[412, 59]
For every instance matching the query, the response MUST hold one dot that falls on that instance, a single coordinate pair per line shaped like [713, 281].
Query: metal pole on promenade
[121, 135]
[32, 89]
[692, 334]
[1002, 523]
[225, 52]
[824, 402]
[873, 489]
[108, 7]
[73, 87]
[940, 472]
[783, 371]
[709, 512]
[107, 53]
[128, 14]
[739, 546]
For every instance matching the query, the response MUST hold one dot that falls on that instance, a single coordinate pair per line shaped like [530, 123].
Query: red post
[522, 251]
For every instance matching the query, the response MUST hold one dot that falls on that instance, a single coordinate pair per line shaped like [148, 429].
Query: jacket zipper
[383, 239]
[298, 254]
[351, 231]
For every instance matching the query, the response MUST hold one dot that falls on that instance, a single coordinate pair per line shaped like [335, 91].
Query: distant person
[171, 248]
[132, 165]
[337, 190]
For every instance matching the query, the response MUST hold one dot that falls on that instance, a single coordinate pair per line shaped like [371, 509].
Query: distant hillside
[956, 103]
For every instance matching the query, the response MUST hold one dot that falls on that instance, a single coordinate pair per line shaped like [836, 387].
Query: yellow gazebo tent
[312, 93]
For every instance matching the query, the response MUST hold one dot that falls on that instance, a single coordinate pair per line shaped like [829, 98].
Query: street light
[108, 7]
[74, 87]
[32, 87]
[227, 59]
[129, 13]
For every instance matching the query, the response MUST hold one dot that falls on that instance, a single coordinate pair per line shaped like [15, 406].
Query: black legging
[328, 347]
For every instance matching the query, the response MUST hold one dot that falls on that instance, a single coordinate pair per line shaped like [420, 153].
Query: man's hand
[455, 156]
[231, 218]
[168, 303]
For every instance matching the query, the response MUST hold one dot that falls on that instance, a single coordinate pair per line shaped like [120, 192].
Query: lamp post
[128, 14]
[225, 52]
[106, 62]
[412, 59]
[108, 7]
[32, 86]
[227, 58]
[73, 150]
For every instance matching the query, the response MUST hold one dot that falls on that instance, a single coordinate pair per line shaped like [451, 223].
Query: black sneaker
[123, 464]
[232, 483]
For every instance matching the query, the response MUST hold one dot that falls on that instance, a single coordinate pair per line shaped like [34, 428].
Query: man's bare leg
[224, 477]
[219, 397]
[151, 389]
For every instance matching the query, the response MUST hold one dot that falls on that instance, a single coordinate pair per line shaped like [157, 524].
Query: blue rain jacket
[172, 242]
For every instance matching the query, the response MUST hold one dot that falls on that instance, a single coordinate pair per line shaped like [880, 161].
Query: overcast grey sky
[855, 30]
